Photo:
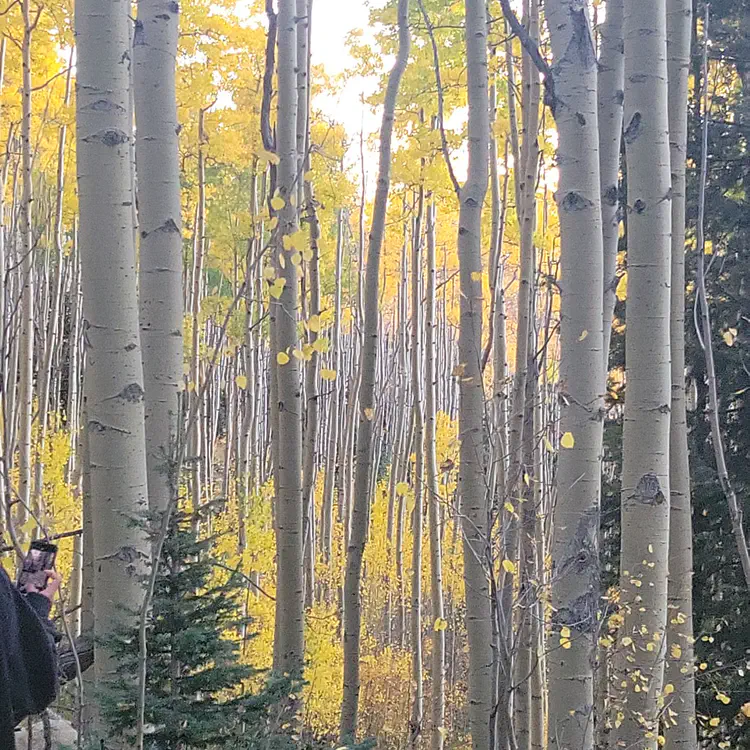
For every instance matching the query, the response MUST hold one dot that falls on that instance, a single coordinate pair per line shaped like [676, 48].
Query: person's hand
[54, 581]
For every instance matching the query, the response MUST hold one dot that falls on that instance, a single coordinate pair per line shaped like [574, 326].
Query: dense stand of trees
[462, 431]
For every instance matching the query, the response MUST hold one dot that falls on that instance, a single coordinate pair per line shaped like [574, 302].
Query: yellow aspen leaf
[548, 445]
[191, 387]
[268, 156]
[295, 241]
[327, 374]
[307, 255]
[402, 488]
[298, 354]
[282, 261]
[583, 336]
[627, 641]
[369, 414]
[714, 722]
[277, 289]
[322, 345]
[668, 689]
[308, 176]
[269, 273]
[723, 698]
[565, 643]
[509, 566]
[282, 358]
[273, 223]
[509, 507]
[443, 732]
[440, 625]
[567, 440]
[241, 382]
[728, 337]
[459, 370]
[313, 323]
[277, 203]
[622, 288]
[476, 276]
[661, 740]
[676, 651]
[565, 632]
[703, 666]
[745, 710]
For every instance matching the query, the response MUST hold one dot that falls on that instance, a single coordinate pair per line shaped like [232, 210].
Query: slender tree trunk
[332, 462]
[289, 541]
[681, 734]
[26, 341]
[645, 474]
[472, 426]
[439, 622]
[415, 725]
[361, 499]
[195, 435]
[159, 213]
[575, 560]
[114, 372]
[611, 82]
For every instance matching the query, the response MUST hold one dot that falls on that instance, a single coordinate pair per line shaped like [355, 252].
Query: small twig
[440, 99]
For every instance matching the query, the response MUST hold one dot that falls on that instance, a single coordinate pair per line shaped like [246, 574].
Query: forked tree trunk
[361, 501]
[114, 372]
[575, 560]
[645, 473]
[160, 219]
[680, 735]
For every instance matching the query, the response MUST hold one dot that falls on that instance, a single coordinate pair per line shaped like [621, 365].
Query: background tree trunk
[368, 365]
[160, 217]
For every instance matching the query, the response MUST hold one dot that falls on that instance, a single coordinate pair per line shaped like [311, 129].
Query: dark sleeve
[42, 606]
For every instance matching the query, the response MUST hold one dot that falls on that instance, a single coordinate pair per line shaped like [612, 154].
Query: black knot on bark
[132, 393]
[575, 202]
[611, 195]
[633, 129]
[639, 206]
[648, 490]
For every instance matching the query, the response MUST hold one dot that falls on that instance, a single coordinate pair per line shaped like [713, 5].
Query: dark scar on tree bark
[648, 490]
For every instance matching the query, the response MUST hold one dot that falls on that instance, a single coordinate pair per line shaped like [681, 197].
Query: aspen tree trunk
[312, 366]
[611, 82]
[645, 475]
[679, 664]
[336, 396]
[415, 726]
[26, 341]
[472, 427]
[52, 331]
[526, 177]
[114, 372]
[195, 436]
[433, 498]
[361, 499]
[575, 559]
[289, 635]
[160, 219]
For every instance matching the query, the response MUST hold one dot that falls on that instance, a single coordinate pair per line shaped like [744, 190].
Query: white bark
[575, 561]
[645, 475]
[159, 213]
[114, 373]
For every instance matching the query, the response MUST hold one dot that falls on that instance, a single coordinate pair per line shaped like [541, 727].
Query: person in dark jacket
[28, 665]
